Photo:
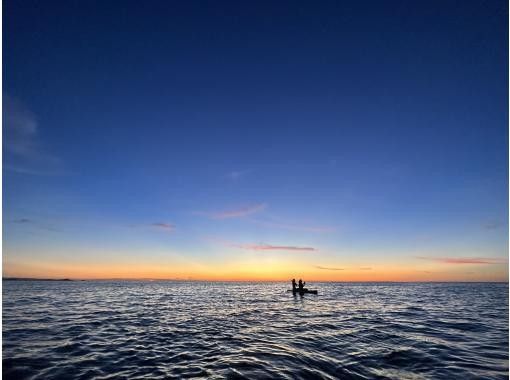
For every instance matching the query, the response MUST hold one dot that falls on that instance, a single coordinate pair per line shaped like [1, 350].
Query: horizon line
[247, 280]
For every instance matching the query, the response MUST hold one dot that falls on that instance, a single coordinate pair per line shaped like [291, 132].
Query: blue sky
[216, 133]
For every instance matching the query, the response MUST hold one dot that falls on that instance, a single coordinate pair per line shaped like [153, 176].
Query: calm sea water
[151, 330]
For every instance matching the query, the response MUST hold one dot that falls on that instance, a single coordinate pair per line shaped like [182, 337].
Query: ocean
[216, 330]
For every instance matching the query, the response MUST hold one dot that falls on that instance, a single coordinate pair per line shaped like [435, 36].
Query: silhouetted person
[301, 285]
[293, 284]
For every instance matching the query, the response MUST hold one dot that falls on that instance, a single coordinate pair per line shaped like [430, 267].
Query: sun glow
[268, 269]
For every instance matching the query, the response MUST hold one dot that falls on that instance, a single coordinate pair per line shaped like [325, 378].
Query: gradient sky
[354, 140]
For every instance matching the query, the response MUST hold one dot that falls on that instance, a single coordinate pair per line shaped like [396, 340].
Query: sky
[263, 140]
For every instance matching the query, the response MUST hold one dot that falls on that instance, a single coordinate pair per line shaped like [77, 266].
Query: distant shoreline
[36, 279]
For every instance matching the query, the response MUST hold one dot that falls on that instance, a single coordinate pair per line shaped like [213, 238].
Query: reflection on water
[231, 330]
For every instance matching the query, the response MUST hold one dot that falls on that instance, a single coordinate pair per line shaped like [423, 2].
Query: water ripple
[161, 330]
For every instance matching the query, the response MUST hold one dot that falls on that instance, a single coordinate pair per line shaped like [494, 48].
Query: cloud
[328, 268]
[464, 260]
[493, 225]
[235, 175]
[22, 170]
[260, 246]
[20, 128]
[234, 213]
[23, 150]
[268, 247]
[163, 226]
[365, 268]
[34, 224]
[22, 221]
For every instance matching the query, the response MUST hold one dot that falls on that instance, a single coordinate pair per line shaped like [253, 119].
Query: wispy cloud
[163, 226]
[23, 149]
[260, 246]
[365, 268]
[328, 268]
[20, 128]
[21, 221]
[464, 260]
[234, 213]
[269, 247]
[493, 225]
[30, 223]
[24, 170]
[236, 174]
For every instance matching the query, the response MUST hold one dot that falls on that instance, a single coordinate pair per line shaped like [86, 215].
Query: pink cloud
[235, 213]
[268, 247]
[328, 268]
[163, 226]
[464, 260]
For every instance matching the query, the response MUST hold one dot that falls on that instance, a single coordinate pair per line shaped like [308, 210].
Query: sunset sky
[262, 140]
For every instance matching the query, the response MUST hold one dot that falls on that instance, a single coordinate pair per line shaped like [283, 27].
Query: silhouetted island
[34, 279]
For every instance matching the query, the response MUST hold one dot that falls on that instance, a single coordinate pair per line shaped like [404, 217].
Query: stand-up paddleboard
[304, 291]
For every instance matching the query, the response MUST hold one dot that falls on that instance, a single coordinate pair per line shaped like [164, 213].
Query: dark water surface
[151, 330]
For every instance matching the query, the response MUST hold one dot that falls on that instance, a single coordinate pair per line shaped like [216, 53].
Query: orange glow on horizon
[277, 272]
